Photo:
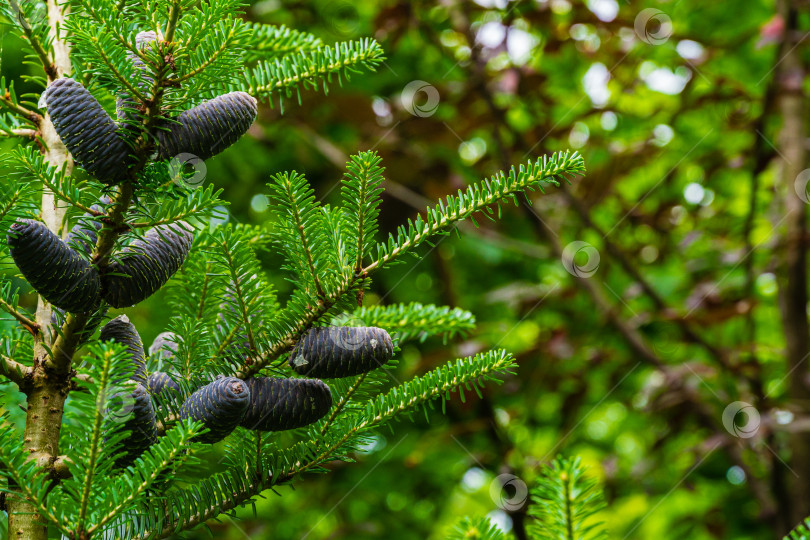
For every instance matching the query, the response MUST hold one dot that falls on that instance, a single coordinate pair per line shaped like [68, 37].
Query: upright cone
[57, 272]
[146, 265]
[124, 332]
[138, 415]
[91, 136]
[277, 404]
[340, 351]
[158, 383]
[209, 128]
[126, 107]
[220, 406]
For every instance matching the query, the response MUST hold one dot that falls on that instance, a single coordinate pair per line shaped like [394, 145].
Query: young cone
[340, 351]
[124, 332]
[159, 382]
[137, 412]
[126, 107]
[91, 136]
[220, 406]
[278, 404]
[146, 264]
[209, 128]
[164, 346]
[62, 276]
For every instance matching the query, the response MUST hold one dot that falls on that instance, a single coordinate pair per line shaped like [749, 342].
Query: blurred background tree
[658, 307]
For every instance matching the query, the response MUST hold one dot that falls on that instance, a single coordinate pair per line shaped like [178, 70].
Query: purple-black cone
[341, 351]
[277, 404]
[57, 272]
[220, 406]
[124, 332]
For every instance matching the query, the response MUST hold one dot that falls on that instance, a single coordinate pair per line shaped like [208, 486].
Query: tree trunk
[48, 389]
[46, 401]
[793, 266]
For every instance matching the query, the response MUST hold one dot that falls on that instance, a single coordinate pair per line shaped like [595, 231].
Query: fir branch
[149, 468]
[198, 204]
[28, 31]
[13, 370]
[230, 38]
[18, 201]
[232, 488]
[239, 292]
[59, 183]
[7, 102]
[95, 439]
[800, 532]
[301, 325]
[301, 227]
[477, 198]
[470, 373]
[265, 42]
[112, 69]
[309, 68]
[19, 132]
[565, 503]
[239, 491]
[27, 323]
[69, 335]
[98, 11]
[344, 400]
[408, 321]
[61, 467]
[171, 24]
[476, 529]
[360, 198]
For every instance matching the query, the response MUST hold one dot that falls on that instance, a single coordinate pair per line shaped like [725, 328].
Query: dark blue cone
[60, 274]
[220, 406]
[124, 332]
[91, 136]
[340, 351]
[278, 404]
[84, 235]
[159, 382]
[209, 128]
[135, 410]
[164, 345]
[126, 107]
[146, 265]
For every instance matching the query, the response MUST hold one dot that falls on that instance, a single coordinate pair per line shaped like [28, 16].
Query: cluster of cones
[103, 147]
[256, 403]
[66, 277]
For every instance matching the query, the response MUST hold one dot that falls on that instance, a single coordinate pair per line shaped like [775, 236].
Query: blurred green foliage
[678, 133]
